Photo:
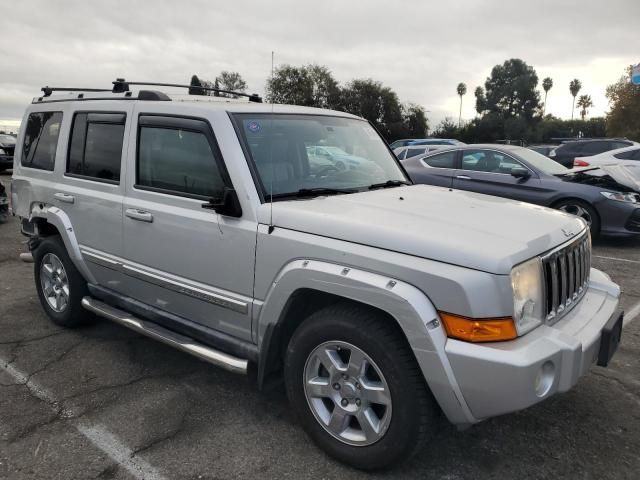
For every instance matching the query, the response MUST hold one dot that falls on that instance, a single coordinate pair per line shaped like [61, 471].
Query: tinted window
[488, 161]
[41, 140]
[412, 152]
[592, 148]
[179, 161]
[443, 160]
[628, 155]
[616, 145]
[95, 149]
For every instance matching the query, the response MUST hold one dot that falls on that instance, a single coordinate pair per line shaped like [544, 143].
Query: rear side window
[95, 149]
[412, 152]
[178, 161]
[616, 145]
[41, 140]
[443, 160]
[593, 148]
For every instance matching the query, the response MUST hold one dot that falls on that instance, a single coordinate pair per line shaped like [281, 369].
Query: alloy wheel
[54, 282]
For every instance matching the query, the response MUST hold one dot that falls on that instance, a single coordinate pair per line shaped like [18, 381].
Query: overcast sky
[420, 49]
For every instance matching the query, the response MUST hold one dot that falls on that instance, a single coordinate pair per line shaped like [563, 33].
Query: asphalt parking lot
[103, 402]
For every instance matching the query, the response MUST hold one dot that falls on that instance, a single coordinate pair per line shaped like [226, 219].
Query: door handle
[64, 197]
[463, 177]
[139, 215]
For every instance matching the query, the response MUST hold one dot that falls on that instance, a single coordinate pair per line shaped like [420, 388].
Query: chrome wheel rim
[347, 393]
[578, 211]
[54, 282]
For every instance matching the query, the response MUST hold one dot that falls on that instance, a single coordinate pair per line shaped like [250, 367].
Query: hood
[462, 228]
[621, 177]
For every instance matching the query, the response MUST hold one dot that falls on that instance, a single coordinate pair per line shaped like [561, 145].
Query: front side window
[41, 140]
[414, 152]
[95, 149]
[178, 161]
[291, 153]
[488, 161]
[442, 160]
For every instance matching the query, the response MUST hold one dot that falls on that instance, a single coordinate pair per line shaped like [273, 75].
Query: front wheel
[583, 210]
[355, 387]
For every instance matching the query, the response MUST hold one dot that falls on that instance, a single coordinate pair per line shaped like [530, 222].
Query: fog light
[544, 379]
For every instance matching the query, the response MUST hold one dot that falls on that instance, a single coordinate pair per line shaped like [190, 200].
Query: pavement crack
[23, 341]
[168, 436]
[621, 383]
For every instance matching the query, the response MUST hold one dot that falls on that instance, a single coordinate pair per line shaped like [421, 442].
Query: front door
[178, 256]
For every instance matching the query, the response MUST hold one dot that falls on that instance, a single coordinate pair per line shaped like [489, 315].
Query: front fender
[56, 217]
[410, 307]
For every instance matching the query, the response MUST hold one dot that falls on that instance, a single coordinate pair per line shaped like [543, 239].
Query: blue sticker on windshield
[253, 126]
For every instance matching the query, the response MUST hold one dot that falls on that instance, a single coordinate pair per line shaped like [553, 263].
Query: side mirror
[228, 205]
[520, 172]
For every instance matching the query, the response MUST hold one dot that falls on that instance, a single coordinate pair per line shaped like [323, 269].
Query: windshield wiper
[315, 192]
[389, 184]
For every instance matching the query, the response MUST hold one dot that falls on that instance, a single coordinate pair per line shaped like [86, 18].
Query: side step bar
[186, 344]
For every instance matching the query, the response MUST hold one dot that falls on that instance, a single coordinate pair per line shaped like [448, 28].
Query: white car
[414, 150]
[612, 157]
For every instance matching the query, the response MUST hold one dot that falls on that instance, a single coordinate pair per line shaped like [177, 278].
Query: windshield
[540, 162]
[7, 139]
[315, 152]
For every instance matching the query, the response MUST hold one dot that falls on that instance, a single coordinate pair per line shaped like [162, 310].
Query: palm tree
[462, 89]
[584, 103]
[574, 87]
[547, 83]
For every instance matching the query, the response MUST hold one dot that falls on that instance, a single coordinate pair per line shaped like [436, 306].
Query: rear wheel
[356, 388]
[583, 210]
[60, 286]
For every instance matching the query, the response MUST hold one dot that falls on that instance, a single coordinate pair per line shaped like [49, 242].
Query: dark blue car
[609, 204]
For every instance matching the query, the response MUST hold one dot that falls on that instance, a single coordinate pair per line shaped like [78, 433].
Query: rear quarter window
[41, 140]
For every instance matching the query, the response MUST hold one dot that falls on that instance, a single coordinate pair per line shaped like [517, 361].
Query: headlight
[621, 197]
[528, 295]
[2, 152]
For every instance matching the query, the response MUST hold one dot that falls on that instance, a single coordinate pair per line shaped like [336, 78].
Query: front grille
[9, 150]
[566, 275]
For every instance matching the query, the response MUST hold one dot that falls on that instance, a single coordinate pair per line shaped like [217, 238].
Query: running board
[186, 344]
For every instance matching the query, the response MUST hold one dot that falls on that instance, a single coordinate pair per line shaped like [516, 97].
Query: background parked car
[612, 157]
[7, 146]
[4, 204]
[437, 141]
[543, 149]
[414, 150]
[608, 206]
[566, 153]
[402, 143]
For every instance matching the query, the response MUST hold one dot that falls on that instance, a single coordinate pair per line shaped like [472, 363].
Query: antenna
[271, 226]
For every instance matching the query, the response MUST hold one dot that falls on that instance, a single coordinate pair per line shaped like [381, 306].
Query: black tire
[568, 205]
[73, 314]
[414, 417]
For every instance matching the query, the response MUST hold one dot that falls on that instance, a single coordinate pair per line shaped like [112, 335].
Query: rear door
[92, 191]
[489, 171]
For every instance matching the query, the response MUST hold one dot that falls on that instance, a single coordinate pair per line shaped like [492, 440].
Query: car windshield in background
[7, 139]
[316, 154]
[542, 163]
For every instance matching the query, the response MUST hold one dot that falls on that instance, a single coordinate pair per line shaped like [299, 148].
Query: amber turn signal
[478, 329]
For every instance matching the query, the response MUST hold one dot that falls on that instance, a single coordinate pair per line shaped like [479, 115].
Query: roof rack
[49, 90]
[121, 85]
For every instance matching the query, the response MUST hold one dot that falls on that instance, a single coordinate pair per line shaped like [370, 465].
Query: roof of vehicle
[589, 140]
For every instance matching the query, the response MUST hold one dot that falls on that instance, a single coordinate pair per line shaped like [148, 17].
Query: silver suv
[203, 222]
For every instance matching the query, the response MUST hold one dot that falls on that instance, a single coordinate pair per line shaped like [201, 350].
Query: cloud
[420, 49]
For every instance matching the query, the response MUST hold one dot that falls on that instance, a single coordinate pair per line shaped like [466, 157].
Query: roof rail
[49, 90]
[121, 85]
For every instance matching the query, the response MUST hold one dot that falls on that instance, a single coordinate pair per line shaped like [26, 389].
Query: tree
[624, 100]
[584, 103]
[195, 82]
[378, 104]
[309, 85]
[415, 121]
[231, 81]
[481, 100]
[574, 87]
[510, 91]
[547, 84]
[446, 129]
[462, 89]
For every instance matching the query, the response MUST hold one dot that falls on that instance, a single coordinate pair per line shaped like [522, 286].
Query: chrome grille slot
[566, 276]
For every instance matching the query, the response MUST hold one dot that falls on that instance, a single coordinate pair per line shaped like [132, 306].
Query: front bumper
[502, 377]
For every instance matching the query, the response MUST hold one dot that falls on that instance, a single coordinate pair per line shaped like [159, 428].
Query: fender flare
[59, 219]
[410, 307]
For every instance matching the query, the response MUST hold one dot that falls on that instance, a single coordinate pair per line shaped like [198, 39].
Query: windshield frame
[263, 193]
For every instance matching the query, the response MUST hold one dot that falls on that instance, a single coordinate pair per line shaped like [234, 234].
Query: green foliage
[415, 121]
[574, 87]
[308, 85]
[623, 119]
[510, 91]
[232, 81]
[461, 89]
[547, 84]
[584, 103]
